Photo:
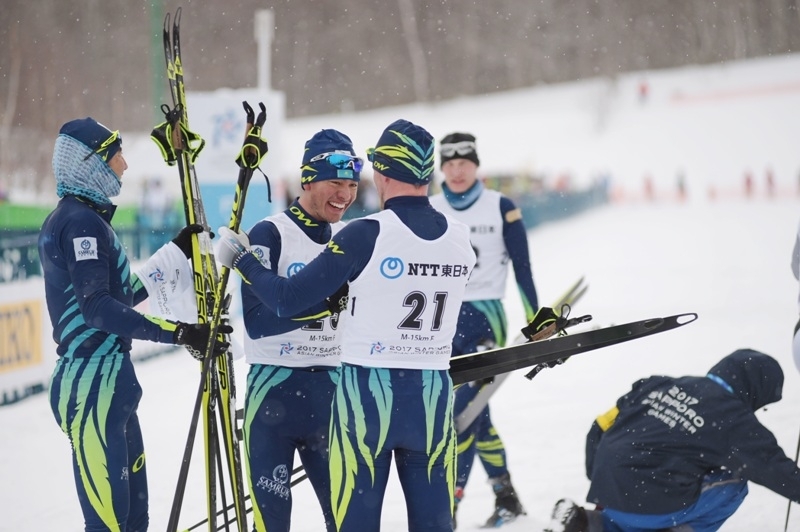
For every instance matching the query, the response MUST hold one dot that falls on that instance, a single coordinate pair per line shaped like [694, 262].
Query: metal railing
[19, 253]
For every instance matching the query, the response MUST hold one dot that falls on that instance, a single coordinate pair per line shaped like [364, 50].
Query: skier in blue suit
[498, 237]
[90, 295]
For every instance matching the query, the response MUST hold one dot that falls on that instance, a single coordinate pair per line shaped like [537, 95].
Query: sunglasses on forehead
[340, 160]
[464, 147]
[105, 144]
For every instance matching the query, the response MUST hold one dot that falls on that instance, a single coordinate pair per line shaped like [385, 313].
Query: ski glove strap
[232, 246]
[195, 337]
[253, 150]
[172, 135]
[160, 136]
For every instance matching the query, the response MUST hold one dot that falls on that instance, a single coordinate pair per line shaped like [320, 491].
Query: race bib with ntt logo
[85, 247]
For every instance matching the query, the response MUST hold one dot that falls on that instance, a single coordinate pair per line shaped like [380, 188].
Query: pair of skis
[181, 146]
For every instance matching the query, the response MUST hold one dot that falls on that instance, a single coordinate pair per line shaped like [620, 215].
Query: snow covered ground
[727, 260]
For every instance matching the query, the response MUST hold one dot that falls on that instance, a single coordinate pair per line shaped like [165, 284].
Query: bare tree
[60, 59]
[9, 109]
[419, 66]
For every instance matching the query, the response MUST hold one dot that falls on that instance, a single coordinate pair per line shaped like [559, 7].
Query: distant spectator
[770, 182]
[155, 216]
[681, 186]
[644, 91]
[649, 189]
[748, 184]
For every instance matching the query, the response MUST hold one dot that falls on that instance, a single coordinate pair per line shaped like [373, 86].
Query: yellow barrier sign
[20, 335]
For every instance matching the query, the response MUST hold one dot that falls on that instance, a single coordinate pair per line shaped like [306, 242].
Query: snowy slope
[712, 123]
[729, 262]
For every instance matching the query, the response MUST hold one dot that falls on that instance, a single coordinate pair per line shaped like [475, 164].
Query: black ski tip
[166, 23]
[671, 322]
[653, 323]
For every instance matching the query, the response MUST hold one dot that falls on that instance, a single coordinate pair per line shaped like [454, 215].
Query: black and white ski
[485, 364]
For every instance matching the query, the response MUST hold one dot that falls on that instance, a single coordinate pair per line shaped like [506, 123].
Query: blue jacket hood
[756, 378]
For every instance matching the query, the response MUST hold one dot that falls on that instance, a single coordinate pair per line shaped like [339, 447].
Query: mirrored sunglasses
[340, 160]
[464, 147]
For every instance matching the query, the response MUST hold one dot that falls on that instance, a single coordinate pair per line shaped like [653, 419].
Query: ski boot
[457, 496]
[506, 506]
[568, 517]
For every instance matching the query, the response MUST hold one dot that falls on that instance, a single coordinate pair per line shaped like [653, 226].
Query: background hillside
[65, 58]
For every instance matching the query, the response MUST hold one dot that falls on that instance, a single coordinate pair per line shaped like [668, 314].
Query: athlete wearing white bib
[315, 344]
[407, 270]
[499, 237]
[294, 362]
[401, 312]
[485, 221]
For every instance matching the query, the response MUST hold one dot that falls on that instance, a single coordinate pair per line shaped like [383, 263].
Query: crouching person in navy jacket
[675, 454]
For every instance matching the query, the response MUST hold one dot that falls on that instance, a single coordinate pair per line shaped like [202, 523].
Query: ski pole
[299, 479]
[789, 506]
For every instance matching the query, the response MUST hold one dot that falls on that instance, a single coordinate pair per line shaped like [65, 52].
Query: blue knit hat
[329, 154]
[95, 136]
[405, 153]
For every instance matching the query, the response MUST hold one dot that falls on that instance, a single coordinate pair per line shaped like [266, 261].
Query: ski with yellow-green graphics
[217, 383]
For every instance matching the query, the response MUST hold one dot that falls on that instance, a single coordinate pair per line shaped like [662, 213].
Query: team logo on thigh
[278, 483]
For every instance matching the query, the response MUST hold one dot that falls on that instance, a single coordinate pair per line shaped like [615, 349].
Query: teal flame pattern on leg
[260, 380]
[346, 449]
[496, 316]
[380, 384]
[342, 455]
[434, 384]
[84, 423]
[530, 310]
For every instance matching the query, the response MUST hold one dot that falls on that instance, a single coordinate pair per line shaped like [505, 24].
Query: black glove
[337, 302]
[184, 238]
[195, 337]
